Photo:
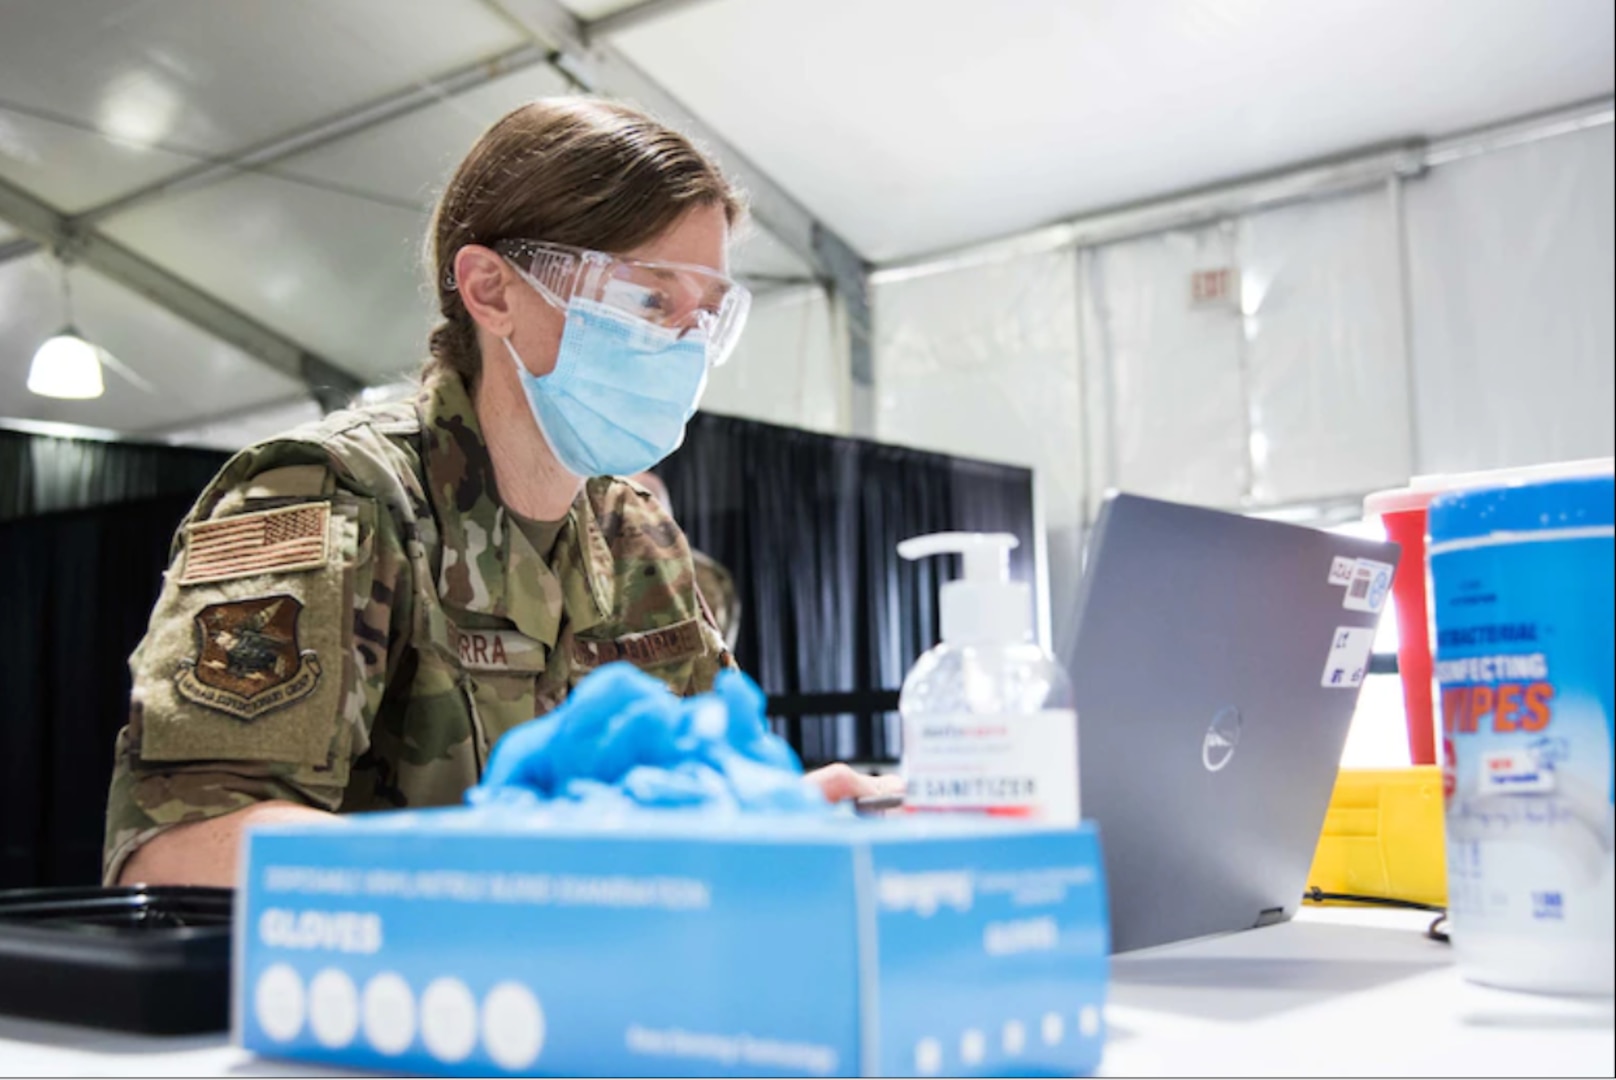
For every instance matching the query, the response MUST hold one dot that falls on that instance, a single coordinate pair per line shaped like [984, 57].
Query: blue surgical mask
[621, 392]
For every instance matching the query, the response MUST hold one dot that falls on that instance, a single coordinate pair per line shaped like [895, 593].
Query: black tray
[154, 960]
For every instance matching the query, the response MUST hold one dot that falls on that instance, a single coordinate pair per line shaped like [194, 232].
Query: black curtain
[808, 525]
[79, 588]
[85, 529]
[40, 474]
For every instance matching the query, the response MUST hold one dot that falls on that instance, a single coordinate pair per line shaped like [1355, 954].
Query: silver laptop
[1217, 663]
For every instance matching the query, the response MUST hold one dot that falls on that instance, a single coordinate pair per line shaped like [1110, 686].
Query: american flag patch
[283, 540]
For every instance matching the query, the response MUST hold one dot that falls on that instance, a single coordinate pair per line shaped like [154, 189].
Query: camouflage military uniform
[352, 620]
[717, 587]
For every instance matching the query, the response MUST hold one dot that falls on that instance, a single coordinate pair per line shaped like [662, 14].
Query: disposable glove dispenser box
[483, 942]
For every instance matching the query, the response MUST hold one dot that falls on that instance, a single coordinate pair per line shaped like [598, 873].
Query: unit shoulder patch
[282, 540]
[248, 662]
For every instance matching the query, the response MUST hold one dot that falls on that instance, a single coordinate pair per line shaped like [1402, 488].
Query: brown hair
[580, 171]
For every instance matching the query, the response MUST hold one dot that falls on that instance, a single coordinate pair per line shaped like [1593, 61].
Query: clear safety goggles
[692, 300]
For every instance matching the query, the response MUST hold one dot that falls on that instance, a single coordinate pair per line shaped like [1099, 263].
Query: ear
[481, 277]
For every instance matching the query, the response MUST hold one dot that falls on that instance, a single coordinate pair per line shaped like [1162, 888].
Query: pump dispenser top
[984, 606]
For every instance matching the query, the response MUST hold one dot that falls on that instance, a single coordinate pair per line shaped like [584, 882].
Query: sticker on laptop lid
[1341, 568]
[1371, 583]
[1348, 660]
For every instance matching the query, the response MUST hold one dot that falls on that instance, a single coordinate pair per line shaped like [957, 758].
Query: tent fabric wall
[1327, 378]
[790, 367]
[1292, 388]
[1332, 371]
[1514, 329]
[984, 363]
[1171, 369]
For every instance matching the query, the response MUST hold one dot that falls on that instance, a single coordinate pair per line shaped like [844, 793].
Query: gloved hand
[623, 735]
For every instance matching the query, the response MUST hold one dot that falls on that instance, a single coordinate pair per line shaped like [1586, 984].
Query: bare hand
[840, 782]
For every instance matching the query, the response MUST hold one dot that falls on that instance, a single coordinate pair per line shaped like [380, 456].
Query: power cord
[1437, 931]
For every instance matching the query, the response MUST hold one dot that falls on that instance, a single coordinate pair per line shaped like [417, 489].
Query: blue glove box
[497, 941]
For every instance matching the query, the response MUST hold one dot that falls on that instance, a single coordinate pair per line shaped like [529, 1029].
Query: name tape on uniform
[499, 650]
[674, 642]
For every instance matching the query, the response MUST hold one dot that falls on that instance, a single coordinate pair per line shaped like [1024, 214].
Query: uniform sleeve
[717, 588]
[714, 656]
[267, 652]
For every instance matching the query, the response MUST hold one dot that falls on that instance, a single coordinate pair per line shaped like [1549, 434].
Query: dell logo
[1217, 749]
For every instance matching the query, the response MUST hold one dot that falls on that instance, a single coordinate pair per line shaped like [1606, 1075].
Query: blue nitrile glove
[729, 737]
[748, 732]
[622, 737]
[616, 718]
[687, 784]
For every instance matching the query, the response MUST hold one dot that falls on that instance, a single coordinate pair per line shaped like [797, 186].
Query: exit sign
[1218, 287]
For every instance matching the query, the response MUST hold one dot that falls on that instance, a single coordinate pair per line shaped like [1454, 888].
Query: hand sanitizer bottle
[988, 720]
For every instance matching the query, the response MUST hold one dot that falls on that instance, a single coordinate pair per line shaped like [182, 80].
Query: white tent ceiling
[905, 126]
[916, 125]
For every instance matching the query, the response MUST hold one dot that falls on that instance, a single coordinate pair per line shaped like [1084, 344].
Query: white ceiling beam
[322, 132]
[18, 248]
[331, 129]
[1180, 211]
[1597, 112]
[634, 15]
[47, 227]
[1352, 171]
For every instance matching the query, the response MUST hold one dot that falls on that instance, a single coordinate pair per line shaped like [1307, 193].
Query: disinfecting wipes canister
[1524, 615]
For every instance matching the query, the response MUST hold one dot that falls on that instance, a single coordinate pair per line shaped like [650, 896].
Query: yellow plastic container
[1384, 836]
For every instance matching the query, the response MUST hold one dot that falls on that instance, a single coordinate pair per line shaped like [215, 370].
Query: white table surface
[1335, 993]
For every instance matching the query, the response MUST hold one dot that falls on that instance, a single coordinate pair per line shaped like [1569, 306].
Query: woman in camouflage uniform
[356, 611]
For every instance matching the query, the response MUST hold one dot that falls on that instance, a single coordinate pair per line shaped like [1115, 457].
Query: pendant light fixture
[65, 365]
